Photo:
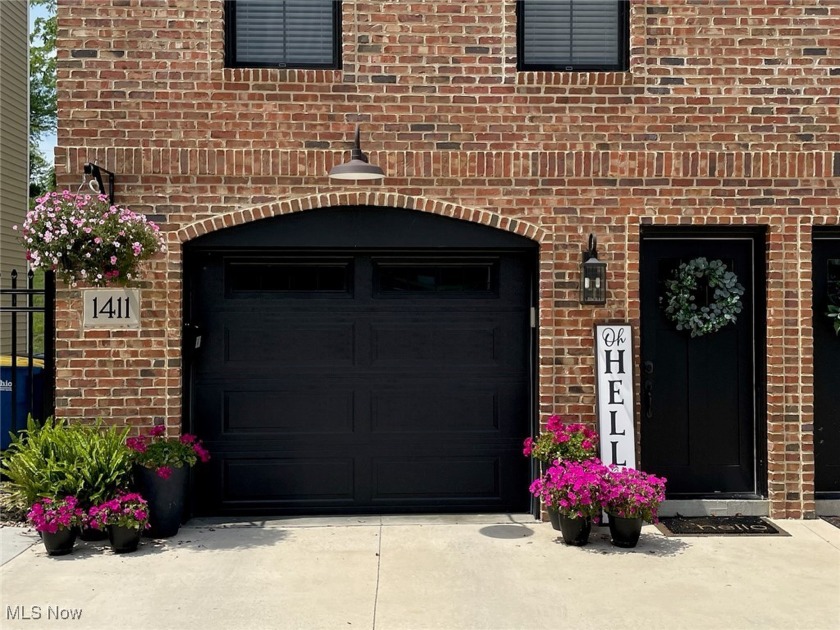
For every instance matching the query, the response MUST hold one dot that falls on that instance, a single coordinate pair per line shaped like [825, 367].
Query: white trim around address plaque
[111, 308]
[614, 364]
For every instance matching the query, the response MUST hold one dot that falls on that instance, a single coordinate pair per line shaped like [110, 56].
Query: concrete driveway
[500, 571]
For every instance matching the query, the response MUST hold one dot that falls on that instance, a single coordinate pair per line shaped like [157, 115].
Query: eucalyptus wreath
[689, 279]
[834, 314]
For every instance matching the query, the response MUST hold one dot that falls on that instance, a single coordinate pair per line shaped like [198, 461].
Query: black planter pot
[60, 543]
[124, 539]
[575, 530]
[165, 498]
[554, 518]
[625, 532]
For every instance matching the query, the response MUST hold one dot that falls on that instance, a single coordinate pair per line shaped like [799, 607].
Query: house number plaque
[111, 308]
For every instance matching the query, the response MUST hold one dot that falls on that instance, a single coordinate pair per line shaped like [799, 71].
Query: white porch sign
[111, 308]
[614, 368]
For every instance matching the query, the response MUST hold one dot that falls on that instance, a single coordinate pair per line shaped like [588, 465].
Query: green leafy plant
[41, 462]
[56, 459]
[104, 462]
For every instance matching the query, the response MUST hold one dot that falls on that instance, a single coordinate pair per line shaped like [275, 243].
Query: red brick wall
[729, 115]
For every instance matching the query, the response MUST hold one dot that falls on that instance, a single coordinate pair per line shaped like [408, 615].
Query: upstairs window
[283, 33]
[571, 35]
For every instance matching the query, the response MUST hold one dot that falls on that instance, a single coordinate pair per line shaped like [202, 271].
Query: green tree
[42, 96]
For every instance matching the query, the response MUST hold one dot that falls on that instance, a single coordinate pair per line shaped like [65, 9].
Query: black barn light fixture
[593, 276]
[358, 167]
[95, 172]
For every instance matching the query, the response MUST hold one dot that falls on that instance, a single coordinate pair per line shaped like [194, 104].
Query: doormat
[718, 526]
[834, 520]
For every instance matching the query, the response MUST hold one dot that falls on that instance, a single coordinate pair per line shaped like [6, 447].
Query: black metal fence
[27, 360]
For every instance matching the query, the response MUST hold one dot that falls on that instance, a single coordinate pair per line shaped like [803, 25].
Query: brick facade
[728, 115]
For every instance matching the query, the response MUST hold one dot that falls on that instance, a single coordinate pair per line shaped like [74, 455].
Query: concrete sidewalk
[426, 572]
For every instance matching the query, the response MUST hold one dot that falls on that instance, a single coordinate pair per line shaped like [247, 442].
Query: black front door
[826, 364]
[698, 401]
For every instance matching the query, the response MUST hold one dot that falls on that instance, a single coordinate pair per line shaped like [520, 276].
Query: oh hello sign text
[614, 366]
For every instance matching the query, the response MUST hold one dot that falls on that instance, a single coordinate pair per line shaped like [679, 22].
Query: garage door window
[288, 277]
[453, 277]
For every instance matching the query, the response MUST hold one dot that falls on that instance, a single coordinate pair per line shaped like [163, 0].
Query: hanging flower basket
[83, 238]
[689, 280]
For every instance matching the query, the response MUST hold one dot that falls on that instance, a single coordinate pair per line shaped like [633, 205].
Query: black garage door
[335, 379]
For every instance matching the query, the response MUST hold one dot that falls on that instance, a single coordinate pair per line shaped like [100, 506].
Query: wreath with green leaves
[834, 314]
[689, 282]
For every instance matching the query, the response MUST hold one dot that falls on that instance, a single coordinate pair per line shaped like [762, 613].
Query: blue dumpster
[26, 400]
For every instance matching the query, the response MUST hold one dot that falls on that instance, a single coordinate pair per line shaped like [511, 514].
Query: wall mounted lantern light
[95, 172]
[593, 276]
[358, 166]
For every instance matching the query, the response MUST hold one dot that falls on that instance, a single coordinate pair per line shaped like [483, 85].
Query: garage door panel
[287, 479]
[287, 412]
[434, 408]
[426, 478]
[252, 410]
[433, 342]
[287, 346]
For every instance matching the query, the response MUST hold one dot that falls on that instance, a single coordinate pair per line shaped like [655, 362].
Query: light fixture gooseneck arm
[357, 153]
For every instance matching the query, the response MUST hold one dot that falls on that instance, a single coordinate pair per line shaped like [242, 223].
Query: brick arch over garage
[473, 354]
[241, 216]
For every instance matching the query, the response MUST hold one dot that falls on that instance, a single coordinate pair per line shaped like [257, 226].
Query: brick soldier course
[729, 115]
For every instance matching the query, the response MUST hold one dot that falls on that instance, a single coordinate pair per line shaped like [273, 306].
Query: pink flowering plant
[631, 493]
[127, 509]
[50, 515]
[163, 453]
[83, 238]
[561, 441]
[572, 488]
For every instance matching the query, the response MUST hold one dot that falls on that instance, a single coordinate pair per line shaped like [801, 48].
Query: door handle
[648, 399]
[192, 333]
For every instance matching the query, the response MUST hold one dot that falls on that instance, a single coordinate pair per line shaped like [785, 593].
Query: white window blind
[295, 33]
[568, 34]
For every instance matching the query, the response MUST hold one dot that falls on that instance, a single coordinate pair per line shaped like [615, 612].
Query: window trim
[623, 44]
[230, 43]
